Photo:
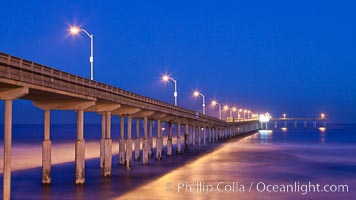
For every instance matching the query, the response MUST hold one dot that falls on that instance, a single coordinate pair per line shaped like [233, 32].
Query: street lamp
[214, 103]
[245, 111]
[284, 115]
[196, 94]
[74, 30]
[166, 78]
[233, 109]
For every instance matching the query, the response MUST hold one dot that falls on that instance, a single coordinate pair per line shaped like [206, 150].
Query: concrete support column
[137, 140]
[204, 136]
[122, 141]
[129, 143]
[158, 141]
[179, 142]
[80, 150]
[107, 146]
[9, 96]
[46, 150]
[209, 135]
[102, 140]
[169, 140]
[145, 148]
[193, 135]
[199, 135]
[190, 136]
[186, 138]
[213, 135]
[7, 149]
[150, 140]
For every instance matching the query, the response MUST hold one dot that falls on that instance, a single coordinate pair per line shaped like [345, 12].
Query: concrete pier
[150, 139]
[186, 138]
[159, 146]
[8, 95]
[169, 140]
[46, 150]
[145, 146]
[107, 146]
[122, 141]
[204, 135]
[194, 135]
[7, 149]
[129, 143]
[102, 140]
[52, 89]
[137, 140]
[179, 142]
[199, 135]
[80, 150]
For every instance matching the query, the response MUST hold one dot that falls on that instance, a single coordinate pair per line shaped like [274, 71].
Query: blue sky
[279, 56]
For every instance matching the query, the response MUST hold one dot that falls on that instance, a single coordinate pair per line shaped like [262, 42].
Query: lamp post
[233, 109]
[74, 30]
[213, 103]
[166, 78]
[196, 94]
[238, 113]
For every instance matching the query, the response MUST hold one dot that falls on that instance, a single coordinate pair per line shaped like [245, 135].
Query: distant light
[240, 110]
[322, 115]
[322, 129]
[74, 30]
[226, 107]
[284, 115]
[245, 111]
[284, 129]
[234, 109]
[163, 129]
[264, 118]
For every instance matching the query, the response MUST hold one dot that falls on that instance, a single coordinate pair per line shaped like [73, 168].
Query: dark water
[243, 168]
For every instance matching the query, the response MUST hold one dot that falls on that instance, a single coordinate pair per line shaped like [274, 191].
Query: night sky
[279, 56]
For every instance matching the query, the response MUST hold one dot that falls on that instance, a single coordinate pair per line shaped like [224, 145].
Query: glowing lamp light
[165, 78]
[74, 30]
[322, 115]
[196, 93]
[234, 109]
[226, 107]
[213, 103]
[264, 118]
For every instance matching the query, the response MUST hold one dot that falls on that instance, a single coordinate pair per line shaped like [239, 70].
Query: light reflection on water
[246, 162]
[295, 155]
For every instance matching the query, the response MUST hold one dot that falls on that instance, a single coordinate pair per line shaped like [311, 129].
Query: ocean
[297, 163]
